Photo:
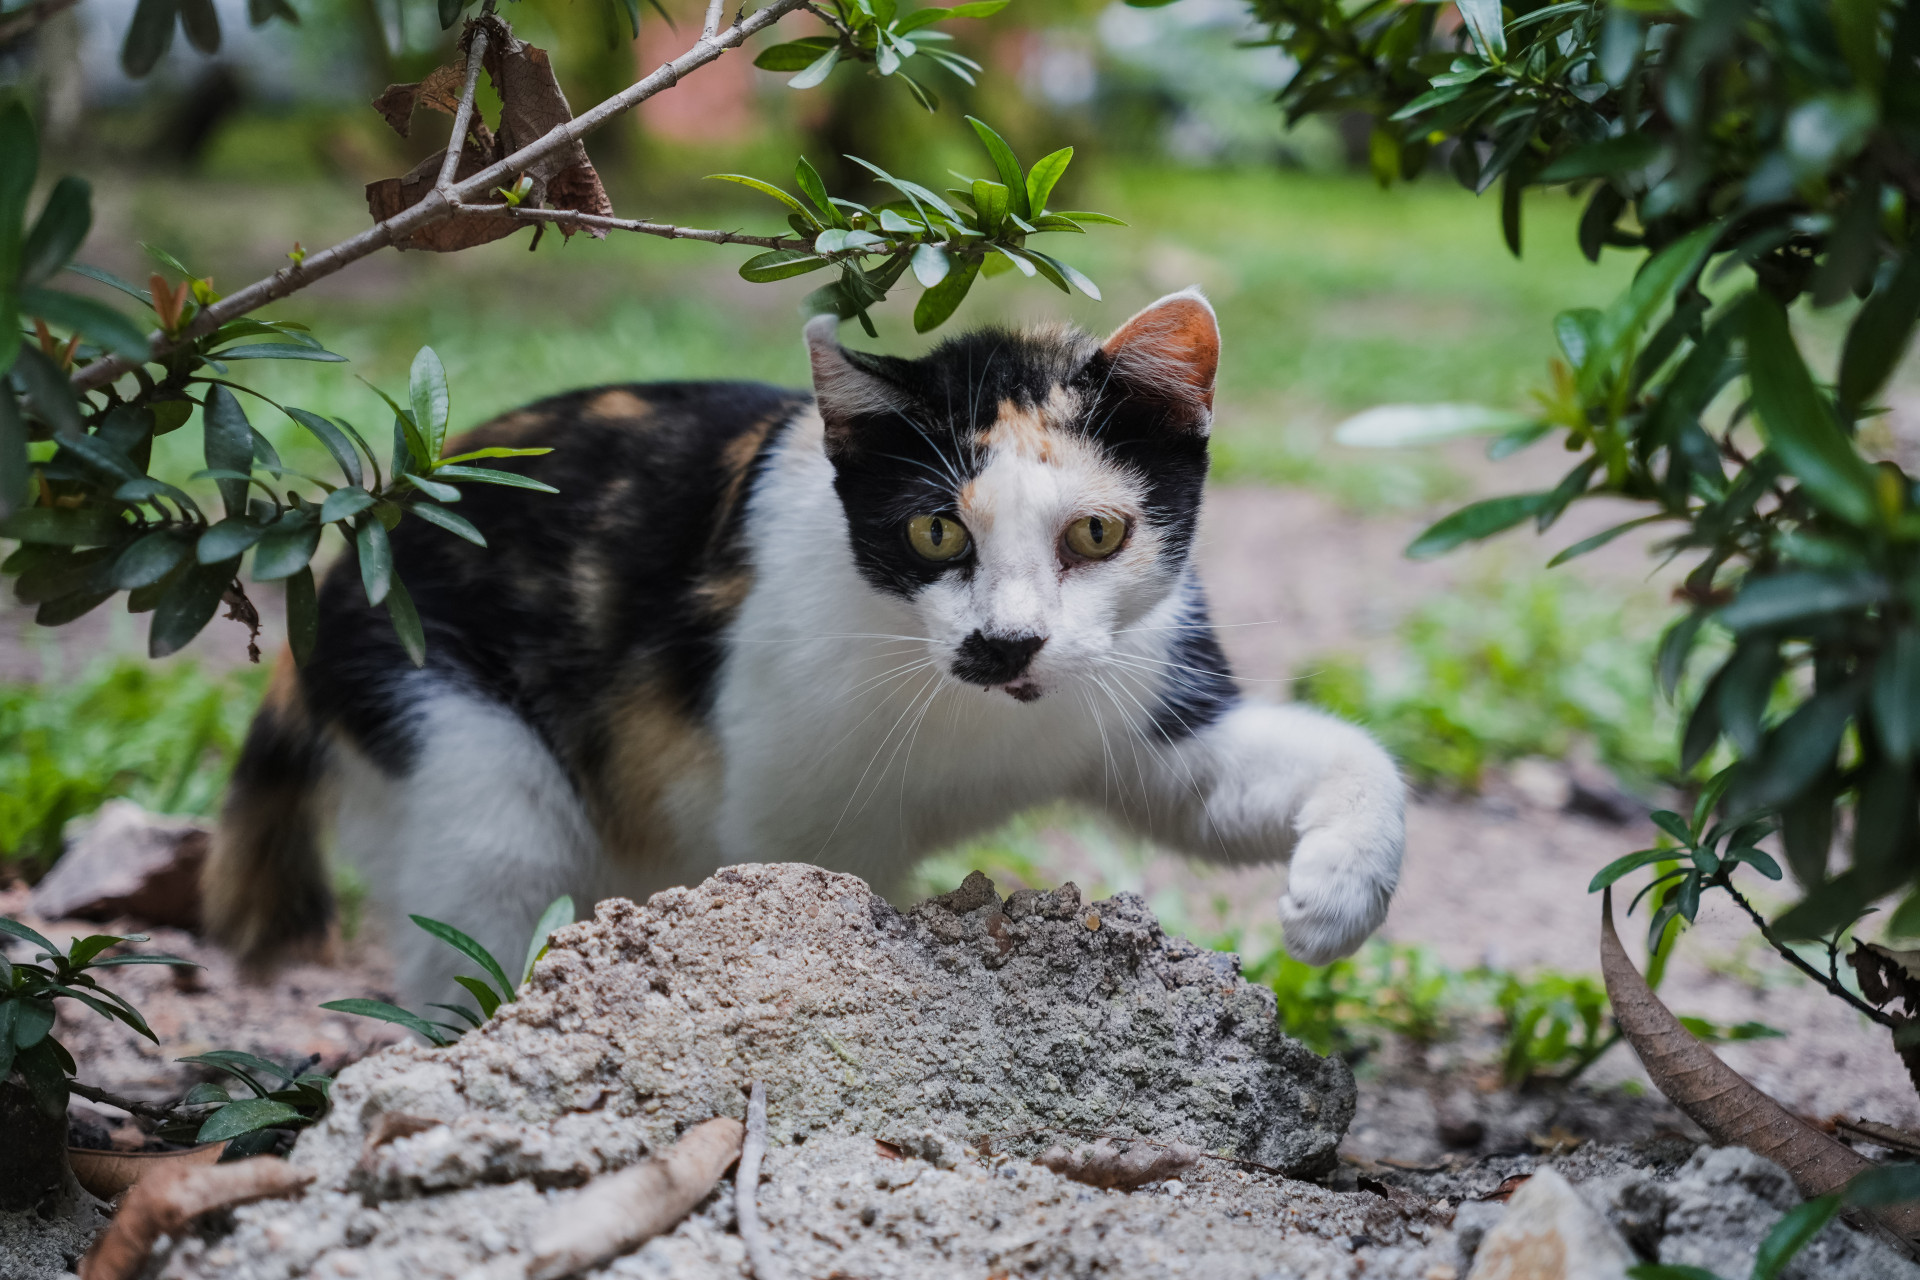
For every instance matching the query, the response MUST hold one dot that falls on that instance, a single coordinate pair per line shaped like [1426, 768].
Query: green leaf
[32, 1020]
[489, 998]
[286, 547]
[434, 514]
[487, 475]
[939, 303]
[1399, 426]
[795, 55]
[25, 934]
[1484, 21]
[1792, 1233]
[406, 622]
[1599, 540]
[45, 1075]
[1880, 333]
[152, 557]
[188, 606]
[16, 467]
[1651, 292]
[279, 351]
[1619, 867]
[303, 615]
[432, 488]
[432, 402]
[1797, 751]
[930, 265]
[767, 188]
[334, 440]
[149, 36]
[780, 264]
[376, 558]
[245, 1116]
[1007, 165]
[95, 321]
[1674, 825]
[977, 8]
[1783, 598]
[1041, 178]
[1628, 151]
[1884, 1186]
[344, 504]
[492, 452]
[818, 70]
[469, 948]
[227, 540]
[48, 391]
[229, 445]
[460, 1011]
[111, 280]
[391, 1013]
[1798, 422]
[64, 527]
[1066, 273]
[1083, 217]
[558, 915]
[57, 233]
[1475, 521]
[201, 21]
[19, 160]
[1669, 1271]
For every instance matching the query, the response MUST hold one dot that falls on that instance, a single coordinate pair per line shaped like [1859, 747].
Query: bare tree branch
[463, 116]
[150, 1110]
[711, 26]
[666, 231]
[438, 204]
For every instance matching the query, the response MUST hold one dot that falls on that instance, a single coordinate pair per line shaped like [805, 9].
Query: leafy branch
[879, 34]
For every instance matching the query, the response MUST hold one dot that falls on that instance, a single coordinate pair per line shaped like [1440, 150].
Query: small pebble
[1093, 919]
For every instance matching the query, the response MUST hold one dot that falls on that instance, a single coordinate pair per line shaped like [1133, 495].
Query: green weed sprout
[490, 997]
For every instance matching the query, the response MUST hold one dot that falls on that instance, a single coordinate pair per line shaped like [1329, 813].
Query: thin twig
[148, 1110]
[570, 217]
[438, 205]
[746, 1190]
[1832, 985]
[711, 27]
[463, 115]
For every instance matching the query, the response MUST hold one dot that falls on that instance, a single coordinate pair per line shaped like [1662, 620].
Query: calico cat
[757, 625]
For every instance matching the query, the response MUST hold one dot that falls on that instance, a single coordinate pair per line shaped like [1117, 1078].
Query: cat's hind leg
[480, 830]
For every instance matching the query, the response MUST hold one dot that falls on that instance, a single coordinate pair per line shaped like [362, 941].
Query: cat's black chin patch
[1023, 690]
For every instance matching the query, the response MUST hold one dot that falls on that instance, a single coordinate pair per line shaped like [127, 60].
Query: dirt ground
[1495, 878]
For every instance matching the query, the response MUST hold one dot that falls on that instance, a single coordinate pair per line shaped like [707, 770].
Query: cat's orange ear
[844, 389]
[1171, 349]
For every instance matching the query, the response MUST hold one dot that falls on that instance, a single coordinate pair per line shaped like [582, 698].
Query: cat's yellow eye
[1096, 537]
[936, 537]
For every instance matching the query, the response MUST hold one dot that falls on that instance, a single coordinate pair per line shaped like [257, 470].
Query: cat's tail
[265, 892]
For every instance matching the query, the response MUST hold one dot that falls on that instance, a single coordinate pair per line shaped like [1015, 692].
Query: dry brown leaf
[440, 91]
[164, 1202]
[531, 105]
[389, 196]
[1120, 1163]
[620, 1211]
[1718, 1098]
[395, 106]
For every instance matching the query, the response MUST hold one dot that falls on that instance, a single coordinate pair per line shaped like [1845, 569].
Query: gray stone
[1549, 1232]
[966, 1035]
[126, 862]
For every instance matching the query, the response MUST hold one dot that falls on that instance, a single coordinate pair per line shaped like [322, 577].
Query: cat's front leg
[1264, 783]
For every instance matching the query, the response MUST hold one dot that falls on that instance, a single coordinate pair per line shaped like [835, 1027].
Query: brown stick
[665, 230]
[621, 1211]
[1718, 1098]
[438, 204]
[164, 1202]
[746, 1190]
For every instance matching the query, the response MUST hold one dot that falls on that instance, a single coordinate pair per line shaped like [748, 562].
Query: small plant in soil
[489, 992]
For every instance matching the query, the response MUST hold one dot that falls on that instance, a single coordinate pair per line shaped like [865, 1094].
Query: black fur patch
[1198, 688]
[611, 581]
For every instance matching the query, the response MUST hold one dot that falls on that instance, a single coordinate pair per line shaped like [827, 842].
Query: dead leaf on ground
[163, 1203]
[1120, 1163]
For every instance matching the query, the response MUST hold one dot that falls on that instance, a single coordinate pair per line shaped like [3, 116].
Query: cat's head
[1030, 495]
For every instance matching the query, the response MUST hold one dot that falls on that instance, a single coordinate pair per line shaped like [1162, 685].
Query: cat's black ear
[1171, 351]
[845, 386]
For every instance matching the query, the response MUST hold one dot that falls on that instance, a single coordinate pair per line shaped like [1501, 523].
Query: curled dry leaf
[1119, 1162]
[621, 1211]
[1718, 1098]
[1887, 976]
[440, 91]
[164, 1202]
[531, 105]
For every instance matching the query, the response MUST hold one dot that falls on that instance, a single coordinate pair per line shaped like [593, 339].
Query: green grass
[1511, 668]
[163, 736]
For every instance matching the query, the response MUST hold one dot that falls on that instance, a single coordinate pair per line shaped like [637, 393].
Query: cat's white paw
[1347, 863]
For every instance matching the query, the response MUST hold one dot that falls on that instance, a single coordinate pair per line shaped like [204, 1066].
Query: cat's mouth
[1025, 689]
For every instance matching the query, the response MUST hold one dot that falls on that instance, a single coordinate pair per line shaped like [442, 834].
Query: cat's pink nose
[995, 659]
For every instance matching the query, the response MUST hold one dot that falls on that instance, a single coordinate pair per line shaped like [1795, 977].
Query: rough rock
[1715, 1211]
[1549, 1232]
[127, 863]
[967, 1022]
